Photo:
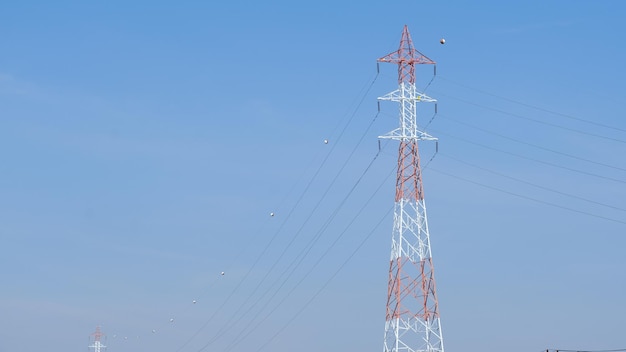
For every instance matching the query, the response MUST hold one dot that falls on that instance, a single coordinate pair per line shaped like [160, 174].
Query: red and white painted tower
[412, 318]
[97, 343]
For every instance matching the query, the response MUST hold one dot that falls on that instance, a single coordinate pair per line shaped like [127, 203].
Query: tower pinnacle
[97, 345]
[406, 57]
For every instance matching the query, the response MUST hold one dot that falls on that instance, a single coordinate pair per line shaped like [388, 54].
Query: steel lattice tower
[412, 318]
[97, 344]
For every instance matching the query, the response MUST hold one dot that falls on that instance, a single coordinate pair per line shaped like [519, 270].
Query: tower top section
[406, 57]
[97, 343]
[97, 335]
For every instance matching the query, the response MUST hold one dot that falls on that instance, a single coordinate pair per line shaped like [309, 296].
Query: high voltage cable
[227, 298]
[319, 202]
[308, 248]
[535, 120]
[535, 107]
[367, 89]
[533, 159]
[258, 257]
[283, 223]
[531, 144]
[533, 184]
[530, 198]
[431, 80]
[359, 103]
[196, 299]
[327, 282]
[249, 271]
[225, 326]
[159, 328]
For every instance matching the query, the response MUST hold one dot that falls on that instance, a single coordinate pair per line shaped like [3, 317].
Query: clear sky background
[144, 144]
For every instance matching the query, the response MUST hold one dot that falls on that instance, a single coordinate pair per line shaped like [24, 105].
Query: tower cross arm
[397, 135]
[409, 57]
[397, 95]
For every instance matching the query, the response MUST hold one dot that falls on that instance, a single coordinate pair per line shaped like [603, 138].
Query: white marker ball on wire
[325, 141]
[194, 301]
[171, 320]
[153, 331]
[442, 41]
[222, 273]
[271, 214]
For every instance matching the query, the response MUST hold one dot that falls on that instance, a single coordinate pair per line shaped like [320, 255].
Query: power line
[299, 231]
[533, 184]
[293, 265]
[327, 282]
[293, 238]
[531, 144]
[534, 120]
[324, 227]
[533, 159]
[530, 198]
[535, 107]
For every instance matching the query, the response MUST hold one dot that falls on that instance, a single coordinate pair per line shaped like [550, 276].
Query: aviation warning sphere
[442, 41]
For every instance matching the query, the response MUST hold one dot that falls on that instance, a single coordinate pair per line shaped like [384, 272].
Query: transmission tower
[97, 345]
[412, 317]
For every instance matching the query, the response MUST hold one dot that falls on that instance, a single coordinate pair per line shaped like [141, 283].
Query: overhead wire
[542, 148]
[448, 118]
[533, 159]
[503, 112]
[259, 257]
[595, 123]
[296, 235]
[360, 101]
[197, 298]
[344, 164]
[297, 314]
[171, 319]
[530, 198]
[302, 255]
[362, 94]
[532, 184]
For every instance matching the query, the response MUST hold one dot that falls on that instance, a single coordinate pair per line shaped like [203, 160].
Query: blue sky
[144, 145]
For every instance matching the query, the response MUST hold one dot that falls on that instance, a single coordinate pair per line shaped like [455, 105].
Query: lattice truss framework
[412, 315]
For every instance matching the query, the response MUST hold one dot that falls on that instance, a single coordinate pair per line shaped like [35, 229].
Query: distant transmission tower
[412, 318]
[97, 345]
